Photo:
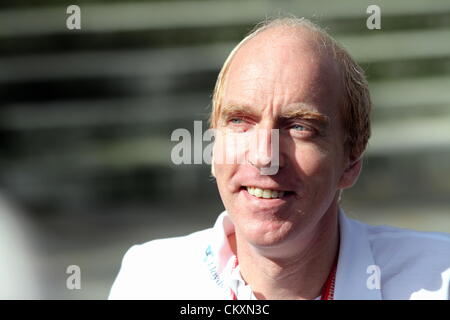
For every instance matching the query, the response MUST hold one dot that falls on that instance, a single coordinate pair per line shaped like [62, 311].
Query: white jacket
[375, 262]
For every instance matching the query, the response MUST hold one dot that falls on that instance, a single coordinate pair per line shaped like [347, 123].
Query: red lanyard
[327, 290]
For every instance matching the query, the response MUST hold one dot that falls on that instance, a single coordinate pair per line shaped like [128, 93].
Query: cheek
[229, 149]
[224, 159]
[317, 166]
[218, 167]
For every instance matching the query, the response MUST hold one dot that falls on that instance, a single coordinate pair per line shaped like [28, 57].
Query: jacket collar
[355, 257]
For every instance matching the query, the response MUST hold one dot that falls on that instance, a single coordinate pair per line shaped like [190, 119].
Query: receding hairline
[302, 31]
[302, 39]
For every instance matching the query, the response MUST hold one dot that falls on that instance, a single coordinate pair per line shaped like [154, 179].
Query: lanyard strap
[327, 290]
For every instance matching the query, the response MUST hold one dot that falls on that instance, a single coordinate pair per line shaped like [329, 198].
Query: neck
[301, 274]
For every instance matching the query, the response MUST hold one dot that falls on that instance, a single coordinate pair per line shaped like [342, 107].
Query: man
[283, 235]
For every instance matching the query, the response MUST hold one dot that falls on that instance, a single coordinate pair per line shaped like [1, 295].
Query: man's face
[280, 81]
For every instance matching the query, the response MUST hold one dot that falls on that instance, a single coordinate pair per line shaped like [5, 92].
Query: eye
[236, 120]
[238, 124]
[299, 127]
[302, 130]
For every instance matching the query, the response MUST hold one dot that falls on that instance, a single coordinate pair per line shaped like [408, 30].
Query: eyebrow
[321, 119]
[237, 109]
[297, 112]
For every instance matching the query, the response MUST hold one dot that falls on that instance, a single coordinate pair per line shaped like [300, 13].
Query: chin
[266, 233]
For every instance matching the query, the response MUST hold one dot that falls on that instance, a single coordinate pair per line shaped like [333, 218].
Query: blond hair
[357, 104]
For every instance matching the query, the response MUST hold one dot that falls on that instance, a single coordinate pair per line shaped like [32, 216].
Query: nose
[260, 152]
[264, 150]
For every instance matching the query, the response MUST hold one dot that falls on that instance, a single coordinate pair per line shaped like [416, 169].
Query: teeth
[265, 193]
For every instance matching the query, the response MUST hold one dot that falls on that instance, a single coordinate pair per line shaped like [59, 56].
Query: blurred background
[86, 117]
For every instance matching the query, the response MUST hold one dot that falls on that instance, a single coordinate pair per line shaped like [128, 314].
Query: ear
[351, 173]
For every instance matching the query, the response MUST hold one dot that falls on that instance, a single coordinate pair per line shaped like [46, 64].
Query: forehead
[284, 67]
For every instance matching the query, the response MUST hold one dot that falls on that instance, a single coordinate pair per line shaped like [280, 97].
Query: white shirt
[375, 262]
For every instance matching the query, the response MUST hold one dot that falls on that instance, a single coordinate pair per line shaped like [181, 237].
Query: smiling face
[282, 80]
